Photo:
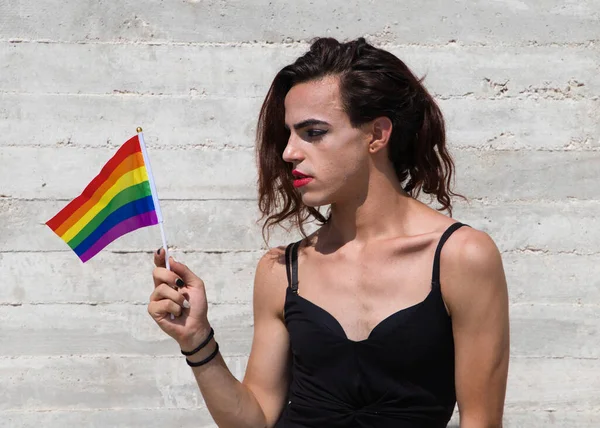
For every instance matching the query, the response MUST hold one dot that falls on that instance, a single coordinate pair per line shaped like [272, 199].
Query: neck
[380, 213]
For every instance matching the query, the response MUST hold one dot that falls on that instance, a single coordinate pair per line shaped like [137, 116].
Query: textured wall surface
[518, 83]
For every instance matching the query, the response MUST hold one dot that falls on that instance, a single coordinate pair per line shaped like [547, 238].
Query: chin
[313, 200]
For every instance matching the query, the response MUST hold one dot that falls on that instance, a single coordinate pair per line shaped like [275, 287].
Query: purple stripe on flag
[126, 226]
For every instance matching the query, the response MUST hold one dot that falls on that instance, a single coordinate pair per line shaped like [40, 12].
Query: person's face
[324, 145]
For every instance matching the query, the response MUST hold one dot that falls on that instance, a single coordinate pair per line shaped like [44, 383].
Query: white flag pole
[154, 197]
[154, 194]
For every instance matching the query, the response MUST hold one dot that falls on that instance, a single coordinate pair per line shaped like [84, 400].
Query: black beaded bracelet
[202, 345]
[204, 361]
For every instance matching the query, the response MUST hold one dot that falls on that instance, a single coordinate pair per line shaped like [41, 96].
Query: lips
[297, 174]
[300, 179]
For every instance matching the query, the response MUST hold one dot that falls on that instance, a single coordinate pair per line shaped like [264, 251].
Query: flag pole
[154, 194]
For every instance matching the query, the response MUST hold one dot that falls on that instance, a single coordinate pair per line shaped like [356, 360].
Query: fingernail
[158, 251]
[186, 304]
[179, 282]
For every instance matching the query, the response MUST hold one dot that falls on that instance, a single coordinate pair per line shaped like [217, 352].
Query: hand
[190, 326]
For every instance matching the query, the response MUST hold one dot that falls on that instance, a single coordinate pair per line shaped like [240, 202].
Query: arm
[258, 401]
[476, 295]
[267, 373]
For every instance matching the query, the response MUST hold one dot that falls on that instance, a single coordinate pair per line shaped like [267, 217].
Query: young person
[390, 312]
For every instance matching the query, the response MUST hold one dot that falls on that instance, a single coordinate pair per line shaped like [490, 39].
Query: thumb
[184, 272]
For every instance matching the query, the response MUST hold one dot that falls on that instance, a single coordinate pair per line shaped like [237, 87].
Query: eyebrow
[308, 122]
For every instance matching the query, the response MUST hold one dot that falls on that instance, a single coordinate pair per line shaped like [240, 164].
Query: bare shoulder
[271, 263]
[270, 281]
[471, 249]
[471, 268]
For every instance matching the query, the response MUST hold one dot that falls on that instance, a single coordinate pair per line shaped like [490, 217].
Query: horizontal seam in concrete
[238, 303]
[99, 409]
[227, 355]
[481, 201]
[591, 43]
[212, 146]
[542, 93]
[131, 94]
[555, 305]
[162, 199]
[70, 144]
[508, 406]
[521, 201]
[531, 250]
[550, 357]
[557, 409]
[116, 303]
[173, 248]
[566, 358]
[107, 356]
[262, 250]
[526, 94]
[485, 202]
[549, 252]
[489, 149]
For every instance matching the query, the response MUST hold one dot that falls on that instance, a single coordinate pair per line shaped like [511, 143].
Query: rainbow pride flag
[119, 200]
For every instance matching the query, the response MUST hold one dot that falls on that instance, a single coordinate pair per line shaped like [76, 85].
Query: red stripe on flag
[130, 147]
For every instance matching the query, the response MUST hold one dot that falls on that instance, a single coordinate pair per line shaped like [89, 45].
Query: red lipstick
[300, 179]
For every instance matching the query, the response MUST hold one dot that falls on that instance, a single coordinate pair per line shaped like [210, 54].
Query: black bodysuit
[401, 376]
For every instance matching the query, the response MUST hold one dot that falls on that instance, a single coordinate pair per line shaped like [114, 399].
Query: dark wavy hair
[373, 83]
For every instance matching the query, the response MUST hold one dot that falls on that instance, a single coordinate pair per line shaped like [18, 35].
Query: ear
[381, 129]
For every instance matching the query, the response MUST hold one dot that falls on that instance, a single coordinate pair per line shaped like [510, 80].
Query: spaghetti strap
[288, 250]
[291, 265]
[435, 281]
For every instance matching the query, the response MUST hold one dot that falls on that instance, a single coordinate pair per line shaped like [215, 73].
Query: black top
[401, 376]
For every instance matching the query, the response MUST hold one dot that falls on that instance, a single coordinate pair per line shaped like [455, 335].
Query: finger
[159, 258]
[162, 308]
[189, 278]
[162, 275]
[163, 292]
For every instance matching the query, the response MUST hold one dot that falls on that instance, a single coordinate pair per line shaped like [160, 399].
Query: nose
[292, 152]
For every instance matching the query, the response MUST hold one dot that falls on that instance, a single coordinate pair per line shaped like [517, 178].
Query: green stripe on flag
[132, 193]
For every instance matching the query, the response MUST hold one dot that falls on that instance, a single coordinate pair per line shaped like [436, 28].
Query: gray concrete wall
[517, 81]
